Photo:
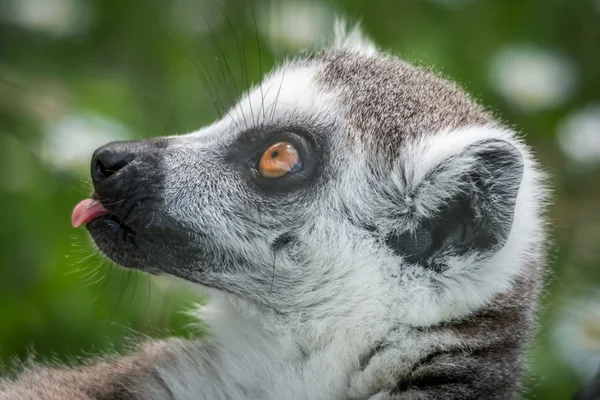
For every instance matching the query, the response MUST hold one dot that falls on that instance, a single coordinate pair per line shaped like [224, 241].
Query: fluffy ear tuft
[475, 217]
[351, 38]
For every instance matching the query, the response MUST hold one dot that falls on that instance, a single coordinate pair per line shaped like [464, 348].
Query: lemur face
[347, 176]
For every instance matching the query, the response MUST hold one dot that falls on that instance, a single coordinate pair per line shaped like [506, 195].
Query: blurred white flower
[576, 335]
[295, 25]
[579, 135]
[532, 78]
[197, 16]
[53, 17]
[70, 141]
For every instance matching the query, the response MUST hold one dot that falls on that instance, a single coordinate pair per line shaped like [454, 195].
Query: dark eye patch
[245, 154]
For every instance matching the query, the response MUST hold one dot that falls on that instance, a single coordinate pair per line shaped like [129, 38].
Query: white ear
[472, 280]
[351, 38]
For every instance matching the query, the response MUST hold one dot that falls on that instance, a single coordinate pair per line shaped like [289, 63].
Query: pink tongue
[86, 211]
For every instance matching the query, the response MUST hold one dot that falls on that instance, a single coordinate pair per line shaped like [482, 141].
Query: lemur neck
[315, 353]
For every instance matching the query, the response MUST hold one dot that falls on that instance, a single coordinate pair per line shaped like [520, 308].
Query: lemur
[363, 228]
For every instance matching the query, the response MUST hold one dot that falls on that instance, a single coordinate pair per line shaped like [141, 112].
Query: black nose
[109, 159]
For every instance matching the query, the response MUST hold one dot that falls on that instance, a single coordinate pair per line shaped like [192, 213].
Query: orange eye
[279, 159]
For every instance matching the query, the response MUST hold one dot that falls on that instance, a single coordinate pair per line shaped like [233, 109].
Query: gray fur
[316, 288]
[373, 87]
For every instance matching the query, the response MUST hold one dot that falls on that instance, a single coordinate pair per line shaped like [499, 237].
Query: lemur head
[348, 177]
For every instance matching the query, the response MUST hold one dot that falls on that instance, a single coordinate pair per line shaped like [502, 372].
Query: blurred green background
[75, 74]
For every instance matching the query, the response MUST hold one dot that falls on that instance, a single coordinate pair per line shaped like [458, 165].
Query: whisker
[205, 76]
[217, 43]
[241, 52]
[259, 54]
[95, 282]
[152, 220]
[124, 282]
[149, 292]
[278, 93]
[135, 282]
[219, 48]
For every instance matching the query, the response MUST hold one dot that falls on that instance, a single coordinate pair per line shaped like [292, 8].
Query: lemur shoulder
[365, 230]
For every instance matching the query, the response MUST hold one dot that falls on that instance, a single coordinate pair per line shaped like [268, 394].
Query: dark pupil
[274, 154]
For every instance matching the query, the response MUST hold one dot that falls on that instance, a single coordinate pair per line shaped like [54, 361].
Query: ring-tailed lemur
[364, 228]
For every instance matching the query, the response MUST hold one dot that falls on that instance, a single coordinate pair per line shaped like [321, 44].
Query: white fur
[351, 38]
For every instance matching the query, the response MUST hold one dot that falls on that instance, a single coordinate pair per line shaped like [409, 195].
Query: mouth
[87, 211]
[134, 236]
[91, 210]
[107, 230]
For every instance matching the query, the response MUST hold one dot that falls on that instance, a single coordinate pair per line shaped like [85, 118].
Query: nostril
[107, 161]
[100, 172]
[101, 169]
